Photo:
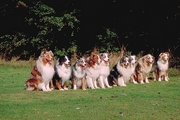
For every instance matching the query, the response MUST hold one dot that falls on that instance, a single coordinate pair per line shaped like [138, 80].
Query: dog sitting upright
[62, 72]
[120, 73]
[104, 71]
[79, 74]
[162, 66]
[143, 68]
[93, 70]
[42, 73]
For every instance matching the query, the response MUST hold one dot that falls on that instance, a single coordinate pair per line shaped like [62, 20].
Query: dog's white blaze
[165, 56]
[151, 59]
[67, 60]
[134, 59]
[106, 58]
[126, 61]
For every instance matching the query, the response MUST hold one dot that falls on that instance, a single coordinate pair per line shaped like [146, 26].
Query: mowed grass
[153, 101]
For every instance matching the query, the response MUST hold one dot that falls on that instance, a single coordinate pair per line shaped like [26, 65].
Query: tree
[46, 30]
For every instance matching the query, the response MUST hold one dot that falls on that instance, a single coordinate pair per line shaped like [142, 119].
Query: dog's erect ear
[43, 52]
[51, 53]
[160, 54]
[101, 54]
[78, 57]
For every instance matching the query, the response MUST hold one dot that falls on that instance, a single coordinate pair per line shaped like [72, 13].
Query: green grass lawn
[153, 101]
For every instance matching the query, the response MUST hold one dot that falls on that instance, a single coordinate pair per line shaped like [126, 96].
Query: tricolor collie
[62, 72]
[104, 71]
[42, 73]
[93, 70]
[78, 74]
[161, 68]
[121, 73]
[143, 68]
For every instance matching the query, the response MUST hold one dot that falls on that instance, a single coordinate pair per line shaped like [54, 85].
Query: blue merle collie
[79, 74]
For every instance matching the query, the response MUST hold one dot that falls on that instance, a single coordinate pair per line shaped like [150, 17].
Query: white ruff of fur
[145, 70]
[163, 67]
[79, 73]
[132, 67]
[47, 74]
[92, 75]
[126, 73]
[104, 72]
[64, 73]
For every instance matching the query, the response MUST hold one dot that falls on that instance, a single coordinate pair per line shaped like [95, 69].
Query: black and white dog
[122, 72]
[104, 71]
[62, 72]
[79, 74]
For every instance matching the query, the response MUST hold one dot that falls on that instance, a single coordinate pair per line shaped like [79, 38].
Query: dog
[42, 73]
[62, 73]
[79, 74]
[143, 68]
[104, 71]
[121, 73]
[132, 65]
[161, 67]
[93, 70]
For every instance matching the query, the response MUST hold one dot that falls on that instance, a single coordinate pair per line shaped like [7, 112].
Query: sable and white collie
[121, 73]
[162, 66]
[79, 74]
[93, 70]
[143, 68]
[42, 73]
[104, 71]
[62, 72]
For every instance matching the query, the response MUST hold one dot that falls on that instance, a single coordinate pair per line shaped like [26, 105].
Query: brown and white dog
[79, 74]
[42, 73]
[121, 73]
[162, 66]
[93, 70]
[62, 72]
[143, 68]
[104, 71]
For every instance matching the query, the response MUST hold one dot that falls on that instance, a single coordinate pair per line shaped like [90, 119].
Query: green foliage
[10, 45]
[49, 25]
[108, 41]
[48, 30]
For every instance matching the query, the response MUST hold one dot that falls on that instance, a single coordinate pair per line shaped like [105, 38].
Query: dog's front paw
[109, 86]
[61, 89]
[135, 82]
[65, 88]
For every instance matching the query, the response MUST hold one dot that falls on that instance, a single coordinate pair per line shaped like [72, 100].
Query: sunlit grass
[156, 100]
